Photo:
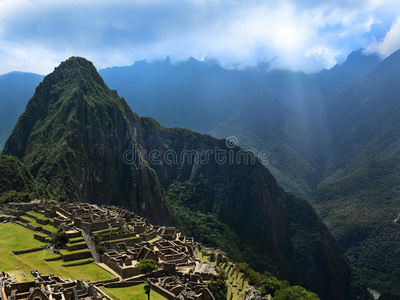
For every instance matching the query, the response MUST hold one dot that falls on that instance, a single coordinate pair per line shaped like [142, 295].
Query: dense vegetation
[74, 137]
[358, 198]
[218, 287]
[146, 266]
[16, 182]
[59, 239]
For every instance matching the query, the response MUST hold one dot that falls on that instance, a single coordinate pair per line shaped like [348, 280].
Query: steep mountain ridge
[278, 130]
[73, 120]
[358, 198]
[342, 76]
[81, 140]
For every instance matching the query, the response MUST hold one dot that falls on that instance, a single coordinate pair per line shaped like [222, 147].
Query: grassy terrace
[78, 261]
[105, 230]
[234, 280]
[49, 228]
[78, 243]
[38, 215]
[16, 237]
[76, 240]
[131, 293]
[65, 251]
[124, 239]
[31, 221]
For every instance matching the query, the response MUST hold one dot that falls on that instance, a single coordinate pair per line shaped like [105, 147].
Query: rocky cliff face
[83, 142]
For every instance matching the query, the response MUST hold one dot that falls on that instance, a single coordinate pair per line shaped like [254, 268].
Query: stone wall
[148, 235]
[77, 246]
[89, 261]
[118, 237]
[162, 291]
[42, 222]
[39, 237]
[128, 242]
[123, 284]
[114, 264]
[76, 256]
[17, 252]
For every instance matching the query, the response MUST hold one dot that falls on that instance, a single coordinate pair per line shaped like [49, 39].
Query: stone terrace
[126, 239]
[48, 287]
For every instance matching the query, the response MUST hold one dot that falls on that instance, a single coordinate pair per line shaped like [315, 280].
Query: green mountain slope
[359, 196]
[289, 118]
[295, 155]
[14, 175]
[16, 182]
[80, 140]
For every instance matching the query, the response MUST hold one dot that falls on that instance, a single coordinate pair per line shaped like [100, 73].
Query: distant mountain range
[16, 88]
[291, 108]
[282, 112]
[81, 141]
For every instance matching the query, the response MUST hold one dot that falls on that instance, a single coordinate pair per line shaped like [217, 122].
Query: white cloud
[324, 54]
[309, 36]
[389, 44]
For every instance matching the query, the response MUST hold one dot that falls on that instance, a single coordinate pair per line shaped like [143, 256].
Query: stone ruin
[47, 287]
[182, 288]
[128, 239]
[131, 237]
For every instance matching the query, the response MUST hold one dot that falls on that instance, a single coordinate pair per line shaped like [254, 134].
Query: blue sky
[308, 36]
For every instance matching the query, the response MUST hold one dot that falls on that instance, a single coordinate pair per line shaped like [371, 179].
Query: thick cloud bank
[297, 35]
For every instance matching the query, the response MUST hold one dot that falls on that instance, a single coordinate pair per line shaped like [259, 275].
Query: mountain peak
[75, 78]
[76, 67]
[167, 60]
[76, 63]
[65, 97]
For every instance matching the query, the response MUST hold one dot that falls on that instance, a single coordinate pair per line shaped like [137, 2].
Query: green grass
[74, 244]
[66, 252]
[231, 275]
[123, 239]
[105, 230]
[76, 240]
[15, 237]
[202, 257]
[41, 234]
[157, 238]
[31, 221]
[38, 215]
[50, 228]
[131, 293]
[78, 261]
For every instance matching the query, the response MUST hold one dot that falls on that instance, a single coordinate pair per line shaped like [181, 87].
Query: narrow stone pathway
[107, 268]
[92, 247]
